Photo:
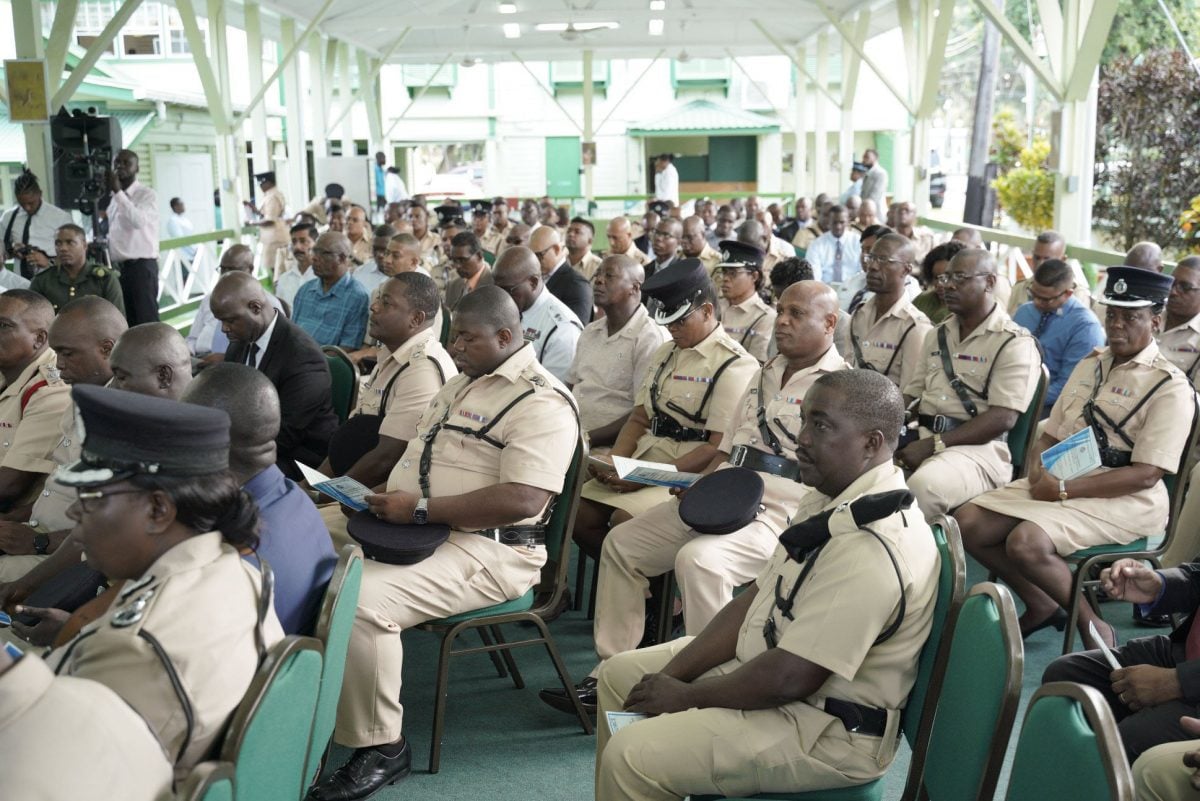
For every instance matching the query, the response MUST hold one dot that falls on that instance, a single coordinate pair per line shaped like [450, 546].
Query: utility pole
[980, 208]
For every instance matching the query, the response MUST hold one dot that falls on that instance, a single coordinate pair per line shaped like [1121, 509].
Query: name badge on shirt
[478, 418]
[1122, 391]
[966, 357]
[699, 379]
[531, 334]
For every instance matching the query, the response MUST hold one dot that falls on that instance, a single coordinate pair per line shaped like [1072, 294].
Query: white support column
[821, 119]
[346, 95]
[229, 163]
[254, 58]
[589, 134]
[803, 175]
[318, 93]
[60, 39]
[27, 29]
[851, 61]
[293, 94]
[367, 73]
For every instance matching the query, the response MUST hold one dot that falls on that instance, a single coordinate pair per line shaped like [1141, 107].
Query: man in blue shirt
[293, 539]
[1066, 329]
[332, 309]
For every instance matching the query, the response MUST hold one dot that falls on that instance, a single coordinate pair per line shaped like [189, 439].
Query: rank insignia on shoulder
[133, 612]
[99, 272]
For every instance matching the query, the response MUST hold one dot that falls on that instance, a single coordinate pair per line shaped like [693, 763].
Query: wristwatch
[938, 445]
[41, 544]
[1062, 490]
[421, 512]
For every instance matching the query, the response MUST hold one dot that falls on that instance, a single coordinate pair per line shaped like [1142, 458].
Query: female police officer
[158, 510]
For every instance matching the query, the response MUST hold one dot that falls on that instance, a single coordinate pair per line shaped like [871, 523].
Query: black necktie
[252, 355]
[1045, 321]
[25, 241]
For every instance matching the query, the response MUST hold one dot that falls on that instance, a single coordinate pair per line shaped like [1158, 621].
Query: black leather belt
[938, 423]
[1111, 457]
[515, 535]
[669, 427]
[858, 718]
[760, 462]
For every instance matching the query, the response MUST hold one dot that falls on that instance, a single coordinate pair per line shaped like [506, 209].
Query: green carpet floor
[503, 744]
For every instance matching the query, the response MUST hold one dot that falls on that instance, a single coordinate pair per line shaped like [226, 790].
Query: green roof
[705, 118]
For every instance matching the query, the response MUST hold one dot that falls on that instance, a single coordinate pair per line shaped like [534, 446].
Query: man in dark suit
[266, 340]
[1159, 678]
[564, 283]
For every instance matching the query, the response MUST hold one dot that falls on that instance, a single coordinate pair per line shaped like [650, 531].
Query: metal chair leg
[580, 575]
[495, 657]
[591, 615]
[509, 659]
[441, 690]
[563, 676]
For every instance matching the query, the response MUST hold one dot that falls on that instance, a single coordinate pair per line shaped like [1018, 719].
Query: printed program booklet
[653, 474]
[344, 490]
[1075, 456]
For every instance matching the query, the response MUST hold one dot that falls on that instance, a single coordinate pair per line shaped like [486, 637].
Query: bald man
[32, 400]
[333, 309]
[1145, 256]
[620, 241]
[263, 338]
[551, 327]
[205, 340]
[613, 353]
[151, 359]
[82, 337]
[995, 364]
[887, 331]
[564, 283]
[760, 436]
[694, 245]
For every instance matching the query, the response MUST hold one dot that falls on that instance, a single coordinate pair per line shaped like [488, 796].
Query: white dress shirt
[205, 336]
[289, 283]
[133, 224]
[833, 259]
[46, 221]
[394, 187]
[370, 276]
[255, 360]
[666, 184]
[553, 329]
[179, 226]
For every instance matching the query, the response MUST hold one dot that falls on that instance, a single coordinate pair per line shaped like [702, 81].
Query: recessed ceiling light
[658, 5]
[512, 30]
[656, 27]
[508, 8]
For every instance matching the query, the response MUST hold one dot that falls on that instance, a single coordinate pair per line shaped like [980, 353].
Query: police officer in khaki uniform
[489, 237]
[32, 400]
[979, 374]
[620, 241]
[694, 245]
[491, 451]
[822, 660]
[683, 408]
[1166, 772]
[412, 368]
[64, 737]
[1134, 400]
[887, 332]
[82, 336]
[272, 229]
[761, 437]
[1180, 337]
[73, 276]
[188, 628]
[745, 316]
[431, 243]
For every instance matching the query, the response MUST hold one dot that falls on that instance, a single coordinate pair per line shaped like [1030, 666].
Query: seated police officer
[710, 563]
[474, 487]
[797, 684]
[681, 410]
[158, 509]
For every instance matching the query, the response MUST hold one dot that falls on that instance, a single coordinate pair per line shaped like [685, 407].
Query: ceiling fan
[570, 31]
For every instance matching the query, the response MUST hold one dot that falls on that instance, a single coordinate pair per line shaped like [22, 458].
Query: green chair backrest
[951, 578]
[1069, 748]
[1021, 435]
[343, 377]
[269, 736]
[558, 528]
[978, 697]
[208, 781]
[333, 630]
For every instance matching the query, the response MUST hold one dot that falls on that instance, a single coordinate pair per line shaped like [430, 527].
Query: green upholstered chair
[1088, 561]
[1069, 747]
[489, 620]
[208, 781]
[344, 376]
[1024, 434]
[333, 630]
[918, 714]
[268, 738]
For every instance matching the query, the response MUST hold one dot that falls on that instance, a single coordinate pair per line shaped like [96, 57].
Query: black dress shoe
[363, 775]
[1150, 621]
[557, 697]
[1057, 619]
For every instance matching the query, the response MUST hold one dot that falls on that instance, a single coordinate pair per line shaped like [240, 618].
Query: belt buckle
[737, 456]
[654, 425]
[939, 424]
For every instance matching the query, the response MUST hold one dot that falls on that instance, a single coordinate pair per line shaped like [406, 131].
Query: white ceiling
[473, 28]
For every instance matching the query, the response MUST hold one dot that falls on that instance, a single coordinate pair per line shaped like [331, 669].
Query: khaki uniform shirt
[539, 436]
[781, 411]
[274, 229]
[106, 744]
[750, 323]
[50, 508]
[360, 251]
[199, 601]
[431, 253]
[805, 236]
[55, 286]
[683, 378]
[1181, 345]
[492, 241]
[587, 266]
[710, 258]
[1014, 370]
[428, 368]
[28, 437]
[608, 370]
[892, 343]
[636, 254]
[848, 599]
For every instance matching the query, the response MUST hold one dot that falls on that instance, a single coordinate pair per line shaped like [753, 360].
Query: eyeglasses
[461, 259]
[321, 253]
[540, 253]
[664, 234]
[958, 278]
[679, 322]
[88, 498]
[509, 289]
[869, 259]
[1184, 289]
[1036, 298]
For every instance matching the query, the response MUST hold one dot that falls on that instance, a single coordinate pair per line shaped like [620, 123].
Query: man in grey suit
[875, 182]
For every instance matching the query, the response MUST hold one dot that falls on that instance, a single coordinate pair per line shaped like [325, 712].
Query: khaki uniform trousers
[398, 597]
[708, 568]
[335, 521]
[728, 752]
[1160, 775]
[14, 567]
[949, 479]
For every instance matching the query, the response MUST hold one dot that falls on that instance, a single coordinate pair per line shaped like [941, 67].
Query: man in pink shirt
[133, 238]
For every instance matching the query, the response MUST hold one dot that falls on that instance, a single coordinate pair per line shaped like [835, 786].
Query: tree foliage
[1026, 191]
[1140, 26]
[1147, 147]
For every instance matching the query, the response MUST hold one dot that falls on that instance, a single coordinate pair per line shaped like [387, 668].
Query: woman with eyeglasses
[159, 512]
[934, 265]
